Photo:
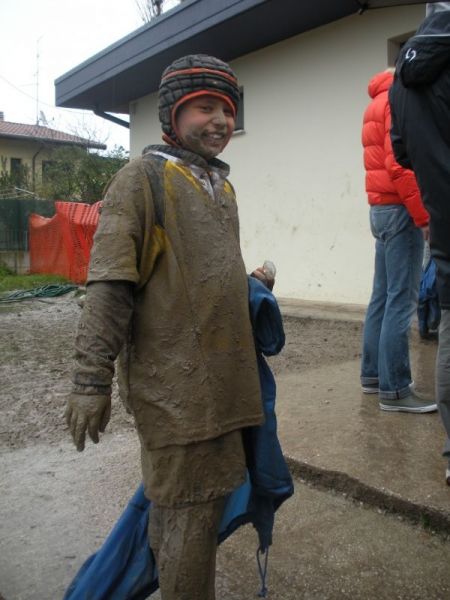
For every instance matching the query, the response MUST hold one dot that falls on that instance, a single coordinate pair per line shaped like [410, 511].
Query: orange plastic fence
[61, 245]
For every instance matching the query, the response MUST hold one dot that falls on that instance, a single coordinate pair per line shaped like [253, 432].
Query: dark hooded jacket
[420, 134]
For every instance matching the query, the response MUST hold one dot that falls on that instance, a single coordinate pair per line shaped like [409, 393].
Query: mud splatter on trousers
[184, 541]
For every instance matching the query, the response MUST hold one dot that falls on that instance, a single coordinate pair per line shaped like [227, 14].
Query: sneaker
[447, 475]
[413, 403]
[370, 388]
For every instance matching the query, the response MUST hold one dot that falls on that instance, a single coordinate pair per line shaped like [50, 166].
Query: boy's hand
[87, 412]
[261, 274]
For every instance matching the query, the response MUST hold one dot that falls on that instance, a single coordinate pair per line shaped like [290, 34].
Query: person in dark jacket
[420, 134]
[399, 224]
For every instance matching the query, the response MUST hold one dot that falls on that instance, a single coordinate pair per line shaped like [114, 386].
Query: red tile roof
[21, 131]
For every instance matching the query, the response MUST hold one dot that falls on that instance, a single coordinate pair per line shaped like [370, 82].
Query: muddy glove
[87, 412]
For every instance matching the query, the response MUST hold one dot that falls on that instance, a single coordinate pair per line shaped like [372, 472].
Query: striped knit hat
[192, 76]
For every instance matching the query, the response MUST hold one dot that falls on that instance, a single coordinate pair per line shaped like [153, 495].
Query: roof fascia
[171, 28]
[131, 68]
[368, 4]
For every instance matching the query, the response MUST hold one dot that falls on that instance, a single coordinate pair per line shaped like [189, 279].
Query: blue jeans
[398, 263]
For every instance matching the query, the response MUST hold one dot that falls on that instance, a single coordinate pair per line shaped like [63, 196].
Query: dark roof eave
[131, 68]
[368, 4]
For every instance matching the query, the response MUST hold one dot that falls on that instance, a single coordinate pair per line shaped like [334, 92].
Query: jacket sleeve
[398, 145]
[116, 269]
[124, 240]
[102, 331]
[403, 179]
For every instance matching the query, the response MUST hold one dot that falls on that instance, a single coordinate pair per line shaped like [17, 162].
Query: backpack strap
[154, 170]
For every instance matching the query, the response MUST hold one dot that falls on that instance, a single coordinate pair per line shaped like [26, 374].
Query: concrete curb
[355, 489]
[304, 309]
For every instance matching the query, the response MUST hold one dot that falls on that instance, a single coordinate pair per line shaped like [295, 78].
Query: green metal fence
[14, 213]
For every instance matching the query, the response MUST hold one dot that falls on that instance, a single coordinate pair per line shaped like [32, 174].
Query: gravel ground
[36, 347]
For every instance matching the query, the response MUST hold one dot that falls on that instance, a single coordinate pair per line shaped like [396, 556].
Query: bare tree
[148, 9]
[88, 130]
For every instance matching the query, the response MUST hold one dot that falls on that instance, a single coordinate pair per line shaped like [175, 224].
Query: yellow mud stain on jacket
[189, 372]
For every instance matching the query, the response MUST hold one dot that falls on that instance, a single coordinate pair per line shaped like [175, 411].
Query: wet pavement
[325, 546]
[339, 438]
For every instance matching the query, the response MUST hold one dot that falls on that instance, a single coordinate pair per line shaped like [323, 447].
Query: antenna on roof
[42, 119]
[37, 79]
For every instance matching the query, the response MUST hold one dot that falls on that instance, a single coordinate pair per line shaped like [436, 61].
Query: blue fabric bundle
[124, 568]
[269, 474]
[428, 309]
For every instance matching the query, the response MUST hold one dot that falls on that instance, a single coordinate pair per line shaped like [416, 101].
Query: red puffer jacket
[386, 181]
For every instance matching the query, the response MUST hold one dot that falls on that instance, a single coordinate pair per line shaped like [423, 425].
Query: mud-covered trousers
[443, 377]
[184, 542]
[188, 486]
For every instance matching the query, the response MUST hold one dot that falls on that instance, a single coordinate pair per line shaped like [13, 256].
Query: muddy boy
[167, 290]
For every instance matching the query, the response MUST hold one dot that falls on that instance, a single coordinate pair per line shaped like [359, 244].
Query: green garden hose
[46, 291]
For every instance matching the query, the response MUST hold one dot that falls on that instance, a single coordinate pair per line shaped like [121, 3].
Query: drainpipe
[111, 118]
[33, 168]
[363, 6]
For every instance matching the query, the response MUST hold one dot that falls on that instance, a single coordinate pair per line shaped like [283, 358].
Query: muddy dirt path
[36, 346]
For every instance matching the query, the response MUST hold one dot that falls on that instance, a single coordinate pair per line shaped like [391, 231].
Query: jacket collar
[190, 158]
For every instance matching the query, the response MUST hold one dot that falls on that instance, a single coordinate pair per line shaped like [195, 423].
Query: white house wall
[298, 169]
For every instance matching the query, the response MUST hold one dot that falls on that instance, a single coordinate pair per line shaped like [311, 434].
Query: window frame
[239, 125]
[394, 45]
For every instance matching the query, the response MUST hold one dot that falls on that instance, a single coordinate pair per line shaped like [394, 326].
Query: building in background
[296, 160]
[26, 150]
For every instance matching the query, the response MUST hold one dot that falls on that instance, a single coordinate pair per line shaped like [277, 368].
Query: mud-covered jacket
[420, 106]
[176, 302]
[386, 181]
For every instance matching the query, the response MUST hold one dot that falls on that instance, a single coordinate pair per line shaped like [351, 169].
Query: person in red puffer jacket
[399, 224]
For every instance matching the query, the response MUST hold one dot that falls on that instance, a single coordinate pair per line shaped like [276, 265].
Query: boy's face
[204, 125]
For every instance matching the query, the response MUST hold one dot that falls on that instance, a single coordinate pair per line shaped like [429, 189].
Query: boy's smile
[204, 125]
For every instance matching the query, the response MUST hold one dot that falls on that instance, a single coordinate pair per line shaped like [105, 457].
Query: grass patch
[4, 271]
[10, 282]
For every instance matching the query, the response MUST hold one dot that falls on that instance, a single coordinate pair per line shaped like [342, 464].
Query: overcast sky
[64, 33]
